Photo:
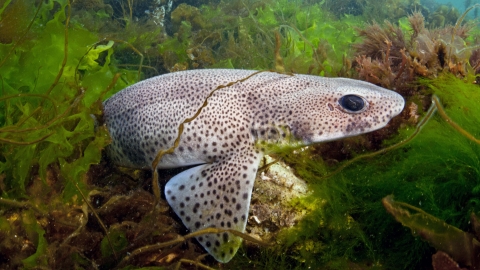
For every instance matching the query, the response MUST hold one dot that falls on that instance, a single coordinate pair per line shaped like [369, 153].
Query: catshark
[225, 142]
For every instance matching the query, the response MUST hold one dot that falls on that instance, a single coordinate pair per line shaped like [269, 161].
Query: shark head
[340, 108]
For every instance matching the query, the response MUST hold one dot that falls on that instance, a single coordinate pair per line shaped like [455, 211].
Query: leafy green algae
[52, 107]
[51, 84]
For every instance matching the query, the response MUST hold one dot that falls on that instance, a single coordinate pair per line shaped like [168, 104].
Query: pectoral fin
[216, 195]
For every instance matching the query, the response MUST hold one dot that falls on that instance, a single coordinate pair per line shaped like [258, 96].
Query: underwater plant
[397, 56]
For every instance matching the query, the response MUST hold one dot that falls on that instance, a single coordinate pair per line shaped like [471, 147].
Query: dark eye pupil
[352, 103]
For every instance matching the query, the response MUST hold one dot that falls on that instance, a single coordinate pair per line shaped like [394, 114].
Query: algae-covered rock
[273, 200]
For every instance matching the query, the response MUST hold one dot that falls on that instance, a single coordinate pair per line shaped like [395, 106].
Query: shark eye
[352, 103]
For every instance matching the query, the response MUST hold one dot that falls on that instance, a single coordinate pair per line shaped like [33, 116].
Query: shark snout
[398, 104]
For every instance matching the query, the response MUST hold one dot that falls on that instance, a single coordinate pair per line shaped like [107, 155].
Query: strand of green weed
[65, 51]
[98, 219]
[279, 65]
[3, 140]
[196, 263]
[112, 83]
[418, 128]
[15, 204]
[136, 65]
[447, 119]
[22, 204]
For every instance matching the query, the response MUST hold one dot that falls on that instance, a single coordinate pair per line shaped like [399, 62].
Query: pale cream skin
[223, 140]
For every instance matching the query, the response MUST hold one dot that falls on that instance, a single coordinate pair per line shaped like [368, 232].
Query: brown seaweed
[395, 58]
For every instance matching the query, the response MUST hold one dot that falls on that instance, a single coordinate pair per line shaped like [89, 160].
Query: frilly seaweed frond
[417, 23]
[376, 40]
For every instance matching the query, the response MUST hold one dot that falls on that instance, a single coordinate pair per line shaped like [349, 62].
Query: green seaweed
[53, 79]
[39, 258]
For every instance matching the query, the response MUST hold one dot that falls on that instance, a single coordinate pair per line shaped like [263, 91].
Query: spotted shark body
[223, 140]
